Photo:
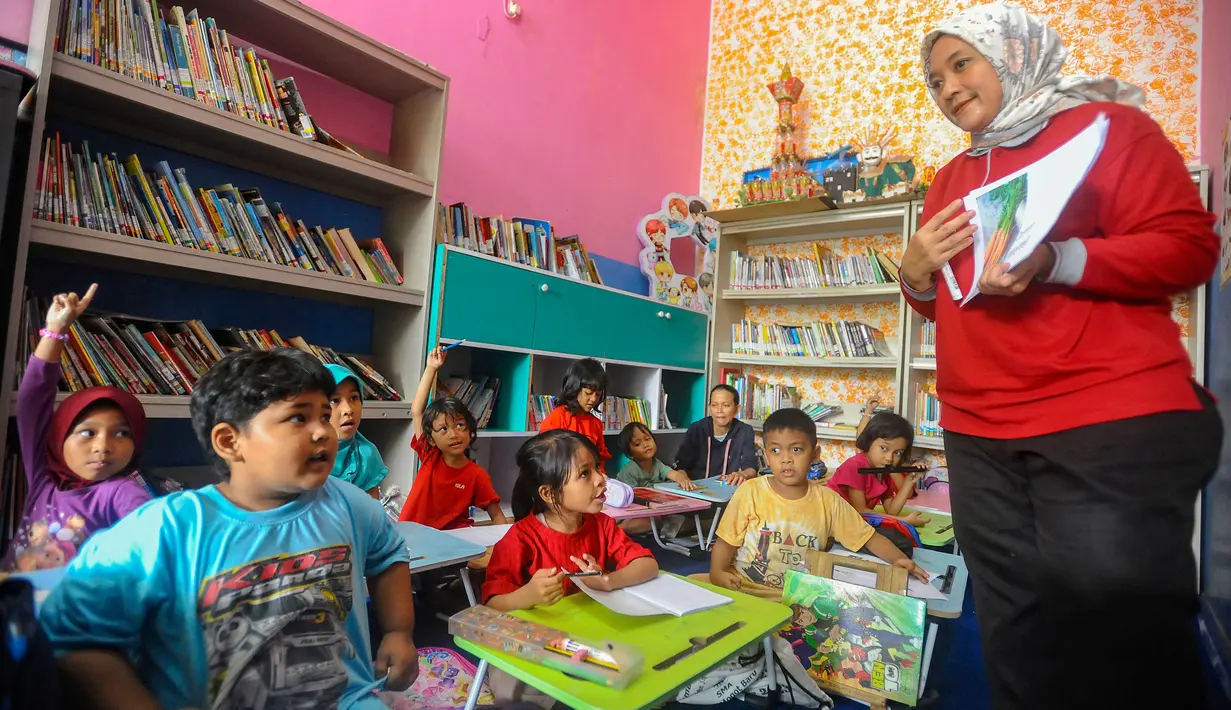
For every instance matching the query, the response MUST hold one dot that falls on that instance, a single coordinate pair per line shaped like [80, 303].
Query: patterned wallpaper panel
[860, 61]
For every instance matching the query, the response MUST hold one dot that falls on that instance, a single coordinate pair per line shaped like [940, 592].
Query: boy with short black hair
[249, 591]
[772, 521]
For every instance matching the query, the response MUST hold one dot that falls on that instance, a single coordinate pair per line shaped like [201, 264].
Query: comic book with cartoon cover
[849, 637]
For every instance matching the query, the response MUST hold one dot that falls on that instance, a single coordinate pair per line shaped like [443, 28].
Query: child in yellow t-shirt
[772, 521]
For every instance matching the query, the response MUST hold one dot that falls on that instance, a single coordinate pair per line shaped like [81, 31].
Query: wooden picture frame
[887, 578]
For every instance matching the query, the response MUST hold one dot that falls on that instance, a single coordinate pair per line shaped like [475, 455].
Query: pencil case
[614, 665]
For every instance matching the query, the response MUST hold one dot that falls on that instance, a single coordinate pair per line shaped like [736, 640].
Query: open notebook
[665, 594]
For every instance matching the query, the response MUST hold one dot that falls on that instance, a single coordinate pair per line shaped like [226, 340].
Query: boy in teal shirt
[250, 591]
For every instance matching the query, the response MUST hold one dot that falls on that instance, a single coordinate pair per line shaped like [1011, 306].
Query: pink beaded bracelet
[48, 333]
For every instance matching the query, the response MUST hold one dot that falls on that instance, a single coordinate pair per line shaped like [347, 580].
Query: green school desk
[930, 535]
[658, 637]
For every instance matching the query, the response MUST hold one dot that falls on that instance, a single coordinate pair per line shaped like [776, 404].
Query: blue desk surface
[938, 561]
[432, 549]
[712, 490]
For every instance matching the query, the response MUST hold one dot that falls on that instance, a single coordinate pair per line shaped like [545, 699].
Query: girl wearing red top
[1076, 438]
[583, 389]
[884, 439]
[560, 529]
[448, 482]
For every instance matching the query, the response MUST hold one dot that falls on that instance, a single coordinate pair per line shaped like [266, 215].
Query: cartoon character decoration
[48, 543]
[680, 217]
[882, 174]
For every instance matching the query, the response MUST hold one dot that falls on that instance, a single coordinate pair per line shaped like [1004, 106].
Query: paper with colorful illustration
[1014, 214]
[853, 640]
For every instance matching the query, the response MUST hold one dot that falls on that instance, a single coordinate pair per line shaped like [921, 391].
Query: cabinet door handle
[543, 288]
[661, 314]
[667, 316]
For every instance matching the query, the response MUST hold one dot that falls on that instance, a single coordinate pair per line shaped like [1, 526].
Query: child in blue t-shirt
[251, 590]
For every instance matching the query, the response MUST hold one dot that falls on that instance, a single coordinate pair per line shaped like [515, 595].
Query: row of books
[185, 54]
[927, 339]
[479, 395]
[825, 270]
[101, 192]
[531, 242]
[12, 497]
[149, 356]
[759, 399]
[927, 413]
[617, 412]
[822, 339]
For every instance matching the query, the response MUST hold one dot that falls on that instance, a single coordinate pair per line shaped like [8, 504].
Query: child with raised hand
[720, 444]
[773, 520]
[883, 439]
[560, 529]
[77, 457]
[190, 601]
[448, 482]
[583, 390]
[359, 461]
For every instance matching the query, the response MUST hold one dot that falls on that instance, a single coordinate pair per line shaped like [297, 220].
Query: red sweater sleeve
[1157, 238]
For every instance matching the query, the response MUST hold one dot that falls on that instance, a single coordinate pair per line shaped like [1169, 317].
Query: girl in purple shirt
[78, 458]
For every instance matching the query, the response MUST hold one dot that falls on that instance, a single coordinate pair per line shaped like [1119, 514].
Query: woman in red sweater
[1076, 437]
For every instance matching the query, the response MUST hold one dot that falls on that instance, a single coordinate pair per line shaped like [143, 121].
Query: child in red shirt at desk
[583, 389]
[448, 482]
[883, 439]
[560, 530]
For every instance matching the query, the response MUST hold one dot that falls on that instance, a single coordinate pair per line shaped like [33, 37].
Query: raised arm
[435, 360]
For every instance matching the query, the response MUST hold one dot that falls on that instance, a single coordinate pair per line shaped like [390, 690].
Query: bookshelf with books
[653, 353]
[181, 179]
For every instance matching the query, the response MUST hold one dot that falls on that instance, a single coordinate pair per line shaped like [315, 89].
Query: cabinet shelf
[104, 248]
[935, 443]
[843, 294]
[143, 110]
[923, 363]
[873, 363]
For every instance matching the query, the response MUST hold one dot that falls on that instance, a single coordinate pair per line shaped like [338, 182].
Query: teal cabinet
[487, 302]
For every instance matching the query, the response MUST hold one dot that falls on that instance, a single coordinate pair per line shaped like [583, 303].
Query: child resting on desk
[584, 388]
[78, 457]
[883, 439]
[449, 483]
[192, 600]
[359, 461]
[772, 521]
[643, 470]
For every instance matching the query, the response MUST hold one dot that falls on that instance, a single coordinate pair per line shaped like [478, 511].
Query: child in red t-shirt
[583, 389]
[448, 482]
[560, 529]
[884, 440]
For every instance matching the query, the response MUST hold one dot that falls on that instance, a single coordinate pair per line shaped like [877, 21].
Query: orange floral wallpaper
[860, 63]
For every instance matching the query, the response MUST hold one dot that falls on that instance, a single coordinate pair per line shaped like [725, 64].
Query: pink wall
[1215, 88]
[15, 20]
[581, 113]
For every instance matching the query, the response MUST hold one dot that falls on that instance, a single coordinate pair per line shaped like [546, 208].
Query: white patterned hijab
[1027, 56]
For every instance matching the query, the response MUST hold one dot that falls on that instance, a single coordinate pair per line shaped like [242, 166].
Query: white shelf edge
[570, 356]
[880, 292]
[163, 406]
[923, 363]
[934, 443]
[858, 363]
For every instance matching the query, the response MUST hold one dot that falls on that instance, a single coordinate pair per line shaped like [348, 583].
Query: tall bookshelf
[401, 185]
[785, 229]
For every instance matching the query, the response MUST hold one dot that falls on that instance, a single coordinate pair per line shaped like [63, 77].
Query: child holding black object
[195, 599]
[885, 440]
[773, 520]
[584, 388]
[720, 444]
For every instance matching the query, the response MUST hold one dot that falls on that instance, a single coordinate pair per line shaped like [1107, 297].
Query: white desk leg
[465, 572]
[696, 517]
[709, 542]
[472, 700]
[928, 645]
[771, 666]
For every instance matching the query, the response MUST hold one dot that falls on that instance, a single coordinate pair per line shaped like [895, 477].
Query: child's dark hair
[545, 460]
[244, 384]
[626, 436]
[728, 389]
[886, 425]
[586, 373]
[448, 407]
[791, 419]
